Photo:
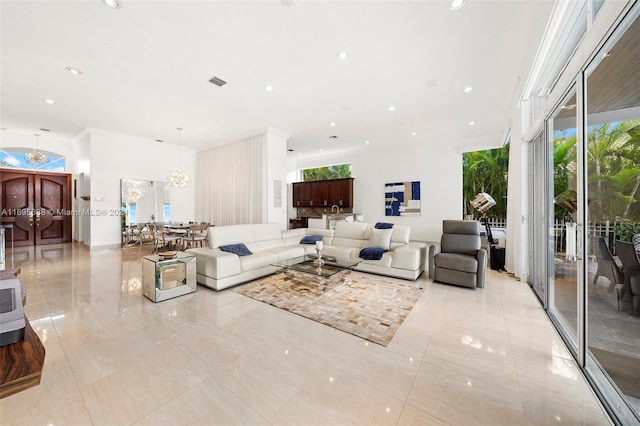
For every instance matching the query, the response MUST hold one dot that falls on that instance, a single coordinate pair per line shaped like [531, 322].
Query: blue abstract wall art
[402, 199]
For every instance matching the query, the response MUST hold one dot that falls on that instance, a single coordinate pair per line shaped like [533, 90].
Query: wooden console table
[20, 363]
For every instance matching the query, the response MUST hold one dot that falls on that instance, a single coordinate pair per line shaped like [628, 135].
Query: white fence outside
[605, 230]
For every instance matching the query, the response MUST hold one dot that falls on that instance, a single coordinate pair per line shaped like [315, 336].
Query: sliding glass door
[563, 196]
[584, 210]
[612, 142]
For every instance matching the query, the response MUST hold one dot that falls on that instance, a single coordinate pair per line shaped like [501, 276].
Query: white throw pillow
[380, 238]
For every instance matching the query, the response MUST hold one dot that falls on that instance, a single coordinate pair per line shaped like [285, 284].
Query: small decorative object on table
[172, 254]
[319, 260]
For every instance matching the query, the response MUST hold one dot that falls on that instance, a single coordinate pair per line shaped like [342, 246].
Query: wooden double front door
[38, 205]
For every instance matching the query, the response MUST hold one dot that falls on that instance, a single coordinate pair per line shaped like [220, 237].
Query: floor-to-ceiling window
[586, 203]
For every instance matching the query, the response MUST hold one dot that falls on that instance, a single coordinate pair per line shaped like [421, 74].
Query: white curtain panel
[516, 251]
[231, 184]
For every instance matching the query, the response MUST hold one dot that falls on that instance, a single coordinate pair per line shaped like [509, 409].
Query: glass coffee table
[305, 274]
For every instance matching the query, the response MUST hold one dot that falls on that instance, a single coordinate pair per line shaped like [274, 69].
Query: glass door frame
[537, 217]
[574, 343]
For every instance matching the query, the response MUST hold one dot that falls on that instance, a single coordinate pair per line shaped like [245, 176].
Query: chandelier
[178, 178]
[133, 191]
[36, 157]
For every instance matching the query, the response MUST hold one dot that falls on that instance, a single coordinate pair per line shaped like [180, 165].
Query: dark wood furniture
[20, 363]
[320, 193]
[300, 222]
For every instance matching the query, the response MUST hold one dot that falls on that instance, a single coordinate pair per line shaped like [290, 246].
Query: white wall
[82, 224]
[277, 171]
[437, 166]
[115, 156]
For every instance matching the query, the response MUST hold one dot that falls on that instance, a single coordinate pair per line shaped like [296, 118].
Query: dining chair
[197, 235]
[163, 241]
[607, 266]
[147, 234]
[631, 269]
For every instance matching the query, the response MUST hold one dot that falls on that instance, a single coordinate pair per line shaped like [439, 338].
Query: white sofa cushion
[266, 231]
[289, 252]
[341, 252]
[223, 235]
[349, 234]
[257, 260]
[400, 234]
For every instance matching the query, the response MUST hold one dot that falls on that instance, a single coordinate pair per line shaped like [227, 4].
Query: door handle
[30, 219]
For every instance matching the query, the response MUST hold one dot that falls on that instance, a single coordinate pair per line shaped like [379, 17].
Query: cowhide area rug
[368, 306]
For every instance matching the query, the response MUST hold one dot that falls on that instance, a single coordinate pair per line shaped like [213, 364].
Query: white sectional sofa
[218, 269]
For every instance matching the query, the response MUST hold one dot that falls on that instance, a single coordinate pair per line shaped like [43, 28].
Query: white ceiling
[146, 68]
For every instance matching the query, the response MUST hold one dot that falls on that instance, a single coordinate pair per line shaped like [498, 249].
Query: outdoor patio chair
[631, 269]
[607, 266]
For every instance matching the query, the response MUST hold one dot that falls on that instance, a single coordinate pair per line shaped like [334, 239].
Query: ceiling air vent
[217, 81]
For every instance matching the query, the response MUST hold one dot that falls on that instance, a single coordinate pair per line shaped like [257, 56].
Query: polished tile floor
[462, 357]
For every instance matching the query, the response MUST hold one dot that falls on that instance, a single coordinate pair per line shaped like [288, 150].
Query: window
[486, 171]
[337, 171]
[17, 158]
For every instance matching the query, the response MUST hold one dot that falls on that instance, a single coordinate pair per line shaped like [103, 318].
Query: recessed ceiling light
[74, 71]
[367, 142]
[342, 56]
[456, 4]
[467, 89]
[44, 130]
[49, 101]
[333, 137]
[392, 108]
[299, 153]
[115, 4]
[268, 88]
[321, 149]
[159, 140]
[333, 124]
[413, 133]
[290, 149]
[471, 123]
[217, 81]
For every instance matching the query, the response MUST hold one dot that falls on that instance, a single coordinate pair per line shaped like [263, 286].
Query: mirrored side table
[164, 278]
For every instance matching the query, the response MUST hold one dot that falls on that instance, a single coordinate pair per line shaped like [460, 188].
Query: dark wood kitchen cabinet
[323, 193]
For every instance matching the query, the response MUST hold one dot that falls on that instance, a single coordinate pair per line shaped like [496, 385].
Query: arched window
[16, 158]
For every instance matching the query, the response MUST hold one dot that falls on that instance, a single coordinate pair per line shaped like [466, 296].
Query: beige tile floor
[462, 357]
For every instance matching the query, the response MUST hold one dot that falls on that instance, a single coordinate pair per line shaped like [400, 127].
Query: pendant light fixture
[36, 157]
[178, 178]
